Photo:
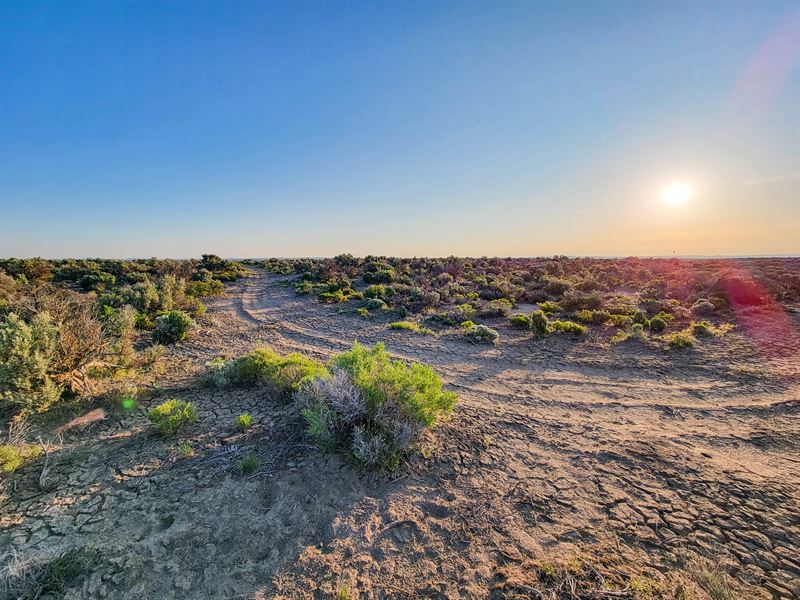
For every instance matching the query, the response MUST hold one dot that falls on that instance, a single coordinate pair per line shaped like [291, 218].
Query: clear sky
[135, 129]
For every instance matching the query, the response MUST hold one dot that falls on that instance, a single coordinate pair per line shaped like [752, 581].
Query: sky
[138, 129]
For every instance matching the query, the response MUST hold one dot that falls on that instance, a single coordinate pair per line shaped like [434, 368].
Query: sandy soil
[633, 455]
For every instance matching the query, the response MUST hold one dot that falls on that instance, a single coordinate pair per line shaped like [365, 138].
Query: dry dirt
[632, 455]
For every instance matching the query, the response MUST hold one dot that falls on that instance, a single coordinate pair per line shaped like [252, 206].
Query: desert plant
[594, 317]
[371, 406]
[375, 304]
[480, 333]
[657, 324]
[703, 308]
[248, 464]
[26, 355]
[538, 322]
[172, 415]
[409, 326]
[702, 328]
[520, 322]
[497, 308]
[171, 327]
[243, 422]
[621, 320]
[568, 327]
[263, 367]
[549, 307]
[14, 455]
[680, 339]
[362, 312]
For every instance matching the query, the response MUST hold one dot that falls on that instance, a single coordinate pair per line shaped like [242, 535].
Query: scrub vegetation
[451, 427]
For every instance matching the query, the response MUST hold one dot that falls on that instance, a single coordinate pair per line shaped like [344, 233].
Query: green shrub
[375, 304]
[380, 276]
[549, 307]
[362, 312]
[415, 388]
[172, 327]
[538, 322]
[702, 328]
[26, 355]
[573, 301]
[409, 326]
[372, 407]
[480, 333]
[143, 322]
[594, 317]
[201, 289]
[284, 373]
[263, 367]
[243, 422]
[249, 464]
[459, 314]
[568, 327]
[520, 322]
[657, 324]
[497, 308]
[12, 456]
[172, 415]
[376, 291]
[304, 287]
[332, 297]
[621, 321]
[680, 339]
[636, 332]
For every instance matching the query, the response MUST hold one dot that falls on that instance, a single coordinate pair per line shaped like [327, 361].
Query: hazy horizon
[405, 129]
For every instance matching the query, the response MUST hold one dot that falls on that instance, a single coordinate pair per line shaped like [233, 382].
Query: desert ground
[655, 466]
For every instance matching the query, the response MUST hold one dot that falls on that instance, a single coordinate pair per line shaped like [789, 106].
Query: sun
[676, 193]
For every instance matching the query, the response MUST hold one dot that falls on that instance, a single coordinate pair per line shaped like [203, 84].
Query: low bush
[480, 333]
[143, 322]
[409, 326]
[621, 320]
[459, 314]
[538, 322]
[703, 308]
[172, 327]
[657, 324]
[375, 304]
[520, 321]
[13, 456]
[263, 367]
[549, 307]
[680, 339]
[372, 407]
[636, 332]
[243, 422]
[380, 276]
[497, 308]
[573, 301]
[332, 297]
[702, 328]
[568, 327]
[248, 464]
[593, 317]
[362, 312]
[378, 291]
[172, 415]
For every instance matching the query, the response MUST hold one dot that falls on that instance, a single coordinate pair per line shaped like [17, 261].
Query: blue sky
[404, 128]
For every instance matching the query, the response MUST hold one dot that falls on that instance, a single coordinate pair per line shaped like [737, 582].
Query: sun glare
[676, 193]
